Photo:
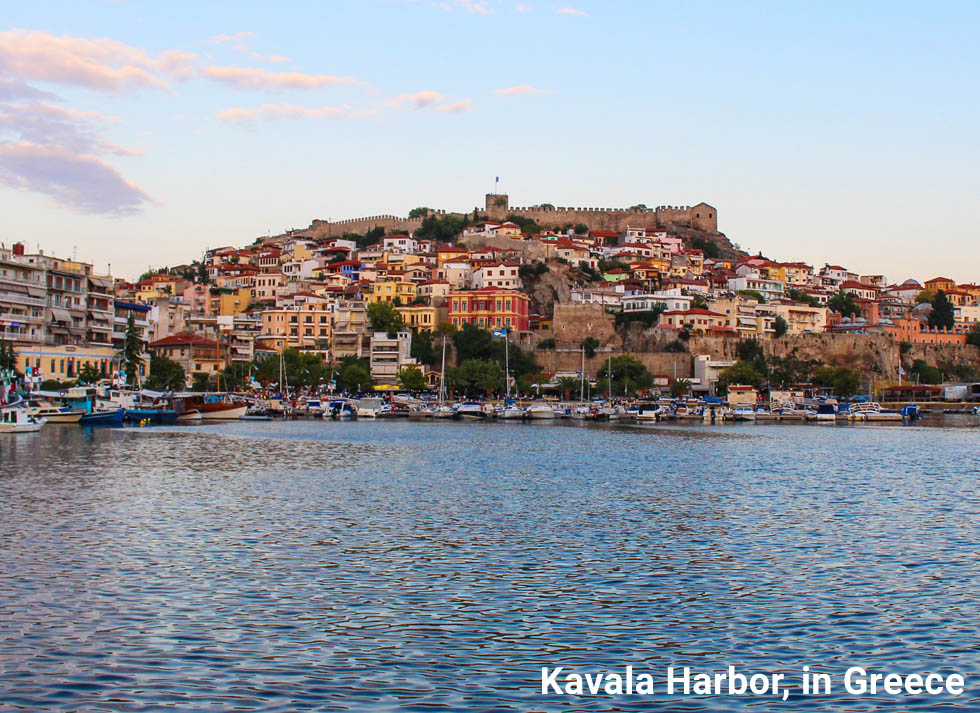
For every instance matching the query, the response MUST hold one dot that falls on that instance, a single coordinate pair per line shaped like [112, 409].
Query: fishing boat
[539, 411]
[104, 416]
[15, 418]
[94, 410]
[219, 407]
[341, 409]
[470, 410]
[53, 413]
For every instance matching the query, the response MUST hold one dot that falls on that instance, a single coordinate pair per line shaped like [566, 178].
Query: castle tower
[704, 217]
[498, 205]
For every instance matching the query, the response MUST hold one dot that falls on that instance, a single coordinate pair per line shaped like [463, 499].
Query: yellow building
[403, 290]
[233, 304]
[802, 318]
[451, 254]
[423, 317]
[64, 362]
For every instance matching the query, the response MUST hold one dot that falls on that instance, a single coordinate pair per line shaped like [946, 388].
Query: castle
[497, 207]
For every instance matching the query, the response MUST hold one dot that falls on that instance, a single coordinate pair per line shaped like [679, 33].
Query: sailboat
[510, 411]
[442, 410]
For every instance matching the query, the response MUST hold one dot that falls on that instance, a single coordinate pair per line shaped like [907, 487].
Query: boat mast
[507, 364]
[217, 358]
[581, 389]
[609, 379]
[442, 374]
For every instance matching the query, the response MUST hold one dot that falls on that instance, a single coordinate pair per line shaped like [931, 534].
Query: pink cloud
[101, 64]
[282, 111]
[523, 89]
[81, 182]
[455, 108]
[250, 78]
[417, 100]
[240, 42]
[574, 11]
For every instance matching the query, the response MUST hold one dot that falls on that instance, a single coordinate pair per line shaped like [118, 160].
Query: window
[508, 305]
[498, 304]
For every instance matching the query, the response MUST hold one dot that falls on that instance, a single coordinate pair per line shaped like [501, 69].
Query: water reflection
[381, 566]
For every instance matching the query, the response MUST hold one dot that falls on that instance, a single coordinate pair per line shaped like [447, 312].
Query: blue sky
[139, 133]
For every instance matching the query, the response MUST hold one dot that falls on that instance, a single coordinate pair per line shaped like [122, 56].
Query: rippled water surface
[402, 566]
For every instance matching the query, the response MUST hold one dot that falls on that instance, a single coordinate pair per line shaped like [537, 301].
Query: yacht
[648, 412]
[370, 407]
[871, 411]
[510, 411]
[743, 412]
[539, 411]
[471, 410]
[826, 412]
[53, 413]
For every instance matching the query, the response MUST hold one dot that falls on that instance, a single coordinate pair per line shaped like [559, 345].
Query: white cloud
[477, 7]
[523, 8]
[572, 11]
[240, 42]
[417, 100]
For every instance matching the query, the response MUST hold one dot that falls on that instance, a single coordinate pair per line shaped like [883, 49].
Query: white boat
[470, 410]
[53, 413]
[16, 419]
[871, 411]
[826, 412]
[369, 407]
[443, 411]
[648, 412]
[510, 412]
[581, 413]
[192, 416]
[743, 412]
[539, 411]
[610, 413]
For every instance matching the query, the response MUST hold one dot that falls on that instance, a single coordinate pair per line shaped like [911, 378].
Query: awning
[58, 330]
[76, 331]
[100, 282]
[37, 292]
[60, 315]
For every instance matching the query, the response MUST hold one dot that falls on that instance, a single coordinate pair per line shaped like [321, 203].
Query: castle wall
[498, 207]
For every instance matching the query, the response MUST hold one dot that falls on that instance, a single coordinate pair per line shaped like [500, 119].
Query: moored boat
[470, 410]
[54, 413]
[539, 411]
[15, 418]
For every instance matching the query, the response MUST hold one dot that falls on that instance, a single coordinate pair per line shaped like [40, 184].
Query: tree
[8, 358]
[132, 351]
[708, 247]
[843, 303]
[974, 336]
[566, 385]
[629, 375]
[419, 212]
[846, 383]
[301, 369]
[780, 326]
[754, 294]
[233, 377]
[741, 372]
[925, 373]
[478, 376]
[800, 296]
[441, 228]
[544, 344]
[680, 387]
[471, 342]
[527, 225]
[354, 377]
[165, 374]
[675, 346]
[411, 378]
[787, 371]
[750, 350]
[581, 229]
[422, 350]
[590, 344]
[89, 375]
[699, 302]
[943, 315]
[925, 296]
[384, 317]
[202, 382]
[648, 318]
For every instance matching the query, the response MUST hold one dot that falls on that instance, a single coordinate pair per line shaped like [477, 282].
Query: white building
[502, 274]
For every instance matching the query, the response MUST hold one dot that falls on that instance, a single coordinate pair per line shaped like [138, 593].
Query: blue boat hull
[103, 418]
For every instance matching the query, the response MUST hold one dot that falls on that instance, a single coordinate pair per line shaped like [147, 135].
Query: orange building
[917, 331]
[489, 308]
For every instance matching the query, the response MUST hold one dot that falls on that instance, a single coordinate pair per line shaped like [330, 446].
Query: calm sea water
[402, 566]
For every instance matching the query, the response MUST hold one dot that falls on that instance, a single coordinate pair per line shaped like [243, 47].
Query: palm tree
[565, 385]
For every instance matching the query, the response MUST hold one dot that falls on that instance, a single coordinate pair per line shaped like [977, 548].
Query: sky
[138, 133]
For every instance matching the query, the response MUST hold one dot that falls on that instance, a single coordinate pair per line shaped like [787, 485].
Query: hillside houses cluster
[313, 294]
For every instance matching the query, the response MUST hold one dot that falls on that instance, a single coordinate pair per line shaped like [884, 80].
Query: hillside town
[380, 296]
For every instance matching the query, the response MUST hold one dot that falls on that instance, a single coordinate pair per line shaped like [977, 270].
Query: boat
[582, 412]
[539, 411]
[826, 412]
[371, 407]
[471, 410]
[54, 413]
[871, 411]
[341, 409]
[443, 411]
[743, 412]
[104, 416]
[15, 418]
[648, 412]
[510, 411]
[219, 407]
[609, 413]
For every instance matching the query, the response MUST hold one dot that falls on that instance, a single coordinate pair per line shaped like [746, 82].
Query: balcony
[19, 298]
[14, 317]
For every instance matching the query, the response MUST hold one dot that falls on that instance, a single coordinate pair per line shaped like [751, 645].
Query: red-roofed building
[490, 308]
[694, 319]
